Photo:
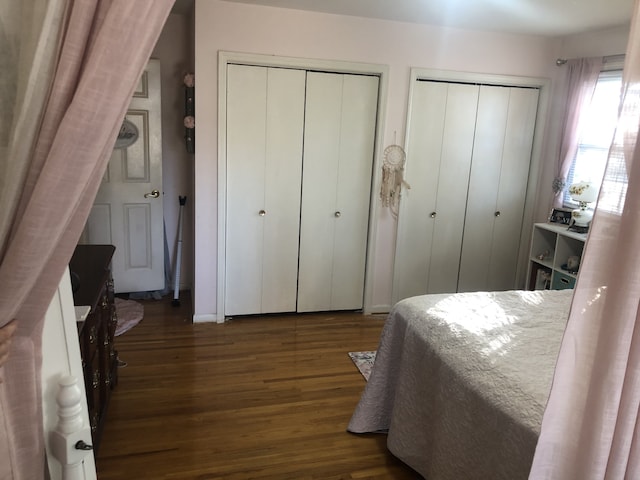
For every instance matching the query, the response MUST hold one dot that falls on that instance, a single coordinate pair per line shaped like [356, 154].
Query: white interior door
[265, 120]
[440, 141]
[497, 187]
[339, 137]
[127, 211]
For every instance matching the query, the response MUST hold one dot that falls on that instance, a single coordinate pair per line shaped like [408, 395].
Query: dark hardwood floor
[255, 398]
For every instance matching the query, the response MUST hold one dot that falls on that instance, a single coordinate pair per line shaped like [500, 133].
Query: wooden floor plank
[264, 397]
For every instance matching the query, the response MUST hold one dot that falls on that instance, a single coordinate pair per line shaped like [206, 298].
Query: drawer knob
[93, 333]
[94, 421]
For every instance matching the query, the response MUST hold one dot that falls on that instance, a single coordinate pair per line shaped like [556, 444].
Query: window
[597, 126]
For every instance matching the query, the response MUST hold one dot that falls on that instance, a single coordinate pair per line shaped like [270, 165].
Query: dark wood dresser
[92, 285]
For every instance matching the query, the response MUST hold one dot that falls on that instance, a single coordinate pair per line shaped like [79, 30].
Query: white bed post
[70, 441]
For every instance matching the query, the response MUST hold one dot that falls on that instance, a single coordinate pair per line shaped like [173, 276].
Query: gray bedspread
[460, 381]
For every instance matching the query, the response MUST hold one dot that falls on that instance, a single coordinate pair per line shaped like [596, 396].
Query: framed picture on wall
[560, 215]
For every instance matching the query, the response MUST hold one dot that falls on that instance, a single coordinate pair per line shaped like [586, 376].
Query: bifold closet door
[440, 141]
[497, 188]
[339, 137]
[265, 118]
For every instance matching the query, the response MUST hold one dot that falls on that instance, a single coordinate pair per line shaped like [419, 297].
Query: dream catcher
[392, 178]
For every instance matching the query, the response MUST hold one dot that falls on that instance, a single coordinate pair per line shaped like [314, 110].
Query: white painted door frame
[543, 85]
[224, 58]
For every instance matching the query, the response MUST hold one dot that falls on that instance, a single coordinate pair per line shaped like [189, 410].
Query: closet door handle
[433, 214]
[497, 214]
[337, 214]
[262, 213]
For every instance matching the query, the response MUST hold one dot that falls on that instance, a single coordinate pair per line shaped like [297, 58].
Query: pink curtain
[590, 426]
[104, 47]
[581, 79]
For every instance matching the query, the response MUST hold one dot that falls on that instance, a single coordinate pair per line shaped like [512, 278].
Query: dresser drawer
[93, 381]
[89, 338]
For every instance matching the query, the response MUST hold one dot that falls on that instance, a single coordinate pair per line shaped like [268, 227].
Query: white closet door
[514, 178]
[497, 188]
[357, 141]
[339, 136]
[440, 141]
[265, 118]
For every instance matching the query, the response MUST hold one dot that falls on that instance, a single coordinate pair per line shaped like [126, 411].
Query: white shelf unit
[551, 246]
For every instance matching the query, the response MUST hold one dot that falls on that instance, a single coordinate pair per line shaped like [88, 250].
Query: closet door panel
[246, 141]
[282, 179]
[340, 124]
[497, 188]
[523, 105]
[442, 124]
[415, 224]
[320, 187]
[358, 125]
[265, 108]
[453, 178]
[486, 164]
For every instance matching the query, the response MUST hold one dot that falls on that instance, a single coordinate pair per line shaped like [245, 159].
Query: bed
[460, 381]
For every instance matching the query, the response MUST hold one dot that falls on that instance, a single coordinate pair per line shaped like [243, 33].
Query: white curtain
[29, 39]
[581, 77]
[589, 430]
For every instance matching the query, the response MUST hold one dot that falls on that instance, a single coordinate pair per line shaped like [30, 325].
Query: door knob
[337, 214]
[433, 214]
[262, 213]
[82, 445]
[497, 214]
[152, 194]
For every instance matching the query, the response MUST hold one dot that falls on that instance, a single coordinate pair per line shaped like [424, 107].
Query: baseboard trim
[377, 309]
[207, 318]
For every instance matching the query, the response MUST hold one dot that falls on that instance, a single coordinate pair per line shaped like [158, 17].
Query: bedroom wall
[221, 25]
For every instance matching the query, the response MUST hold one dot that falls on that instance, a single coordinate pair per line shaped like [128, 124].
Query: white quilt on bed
[461, 381]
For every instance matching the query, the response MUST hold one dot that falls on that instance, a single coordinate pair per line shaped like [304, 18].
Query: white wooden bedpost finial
[69, 439]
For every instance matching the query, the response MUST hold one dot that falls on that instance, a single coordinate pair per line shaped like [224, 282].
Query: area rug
[129, 313]
[364, 362]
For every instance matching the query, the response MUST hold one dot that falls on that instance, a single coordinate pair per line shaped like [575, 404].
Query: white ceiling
[538, 17]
